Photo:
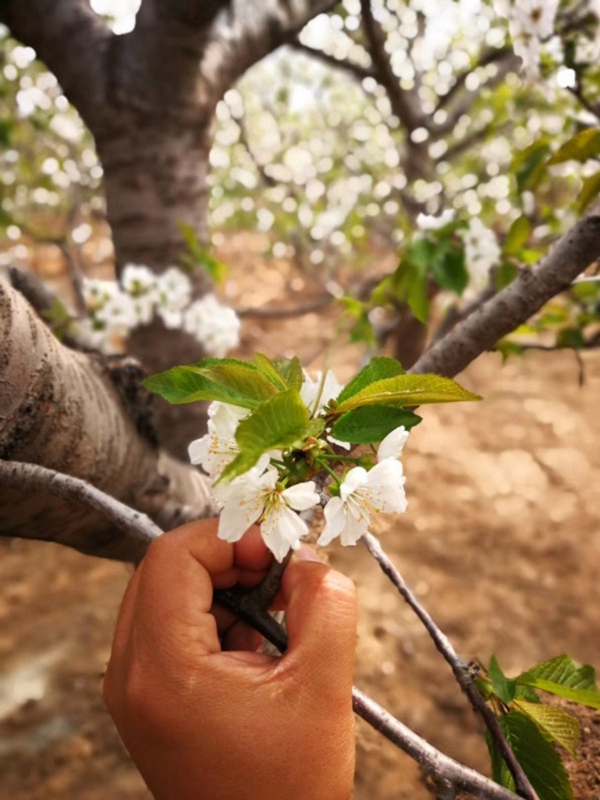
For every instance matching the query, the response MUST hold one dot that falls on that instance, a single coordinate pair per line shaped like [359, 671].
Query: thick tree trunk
[62, 410]
[155, 172]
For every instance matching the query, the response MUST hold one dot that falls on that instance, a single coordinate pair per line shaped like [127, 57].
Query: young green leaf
[504, 687]
[371, 424]
[540, 761]
[564, 677]
[270, 371]
[226, 380]
[279, 422]
[555, 723]
[408, 390]
[517, 236]
[376, 370]
[581, 147]
[590, 188]
[290, 371]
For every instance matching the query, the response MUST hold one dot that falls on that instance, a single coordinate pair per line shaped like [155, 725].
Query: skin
[205, 721]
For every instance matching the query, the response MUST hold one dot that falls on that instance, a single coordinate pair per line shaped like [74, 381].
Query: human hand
[206, 723]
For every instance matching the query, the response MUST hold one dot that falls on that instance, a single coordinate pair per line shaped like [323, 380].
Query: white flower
[428, 222]
[173, 294]
[362, 492]
[315, 396]
[252, 496]
[481, 252]
[393, 444]
[533, 17]
[218, 447]
[97, 293]
[138, 280]
[118, 313]
[217, 327]
[530, 23]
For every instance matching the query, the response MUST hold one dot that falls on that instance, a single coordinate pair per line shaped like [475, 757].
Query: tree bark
[63, 410]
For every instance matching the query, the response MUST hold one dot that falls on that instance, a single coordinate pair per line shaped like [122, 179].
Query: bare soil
[501, 542]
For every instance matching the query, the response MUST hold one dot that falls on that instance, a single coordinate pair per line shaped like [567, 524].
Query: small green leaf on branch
[371, 424]
[540, 761]
[408, 390]
[281, 421]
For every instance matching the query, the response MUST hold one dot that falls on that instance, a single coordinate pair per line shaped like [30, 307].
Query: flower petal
[335, 520]
[282, 529]
[393, 444]
[301, 496]
[355, 478]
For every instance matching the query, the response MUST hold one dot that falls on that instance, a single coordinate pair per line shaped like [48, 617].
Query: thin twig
[293, 311]
[459, 668]
[132, 523]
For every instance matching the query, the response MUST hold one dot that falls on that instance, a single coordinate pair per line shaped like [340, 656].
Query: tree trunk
[155, 172]
[64, 410]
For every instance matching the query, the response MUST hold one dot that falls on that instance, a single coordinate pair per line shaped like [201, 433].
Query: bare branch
[248, 31]
[283, 313]
[345, 64]
[405, 105]
[137, 530]
[487, 57]
[511, 307]
[459, 669]
[70, 39]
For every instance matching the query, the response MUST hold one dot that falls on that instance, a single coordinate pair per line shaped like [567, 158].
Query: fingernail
[305, 553]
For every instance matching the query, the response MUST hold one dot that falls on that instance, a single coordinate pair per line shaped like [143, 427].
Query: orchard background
[381, 134]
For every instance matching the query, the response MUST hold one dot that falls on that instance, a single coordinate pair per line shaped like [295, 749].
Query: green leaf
[570, 337]
[581, 147]
[590, 189]
[277, 423]
[540, 761]
[504, 687]
[376, 370]
[565, 671]
[556, 724]
[517, 236]
[226, 380]
[529, 165]
[505, 275]
[268, 368]
[410, 284]
[449, 267]
[408, 390]
[290, 371]
[371, 424]
[564, 677]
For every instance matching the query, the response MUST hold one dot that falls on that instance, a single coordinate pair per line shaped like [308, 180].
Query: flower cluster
[482, 252]
[272, 491]
[115, 310]
[531, 22]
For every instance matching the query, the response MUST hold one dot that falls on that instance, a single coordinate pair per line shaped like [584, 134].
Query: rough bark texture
[61, 409]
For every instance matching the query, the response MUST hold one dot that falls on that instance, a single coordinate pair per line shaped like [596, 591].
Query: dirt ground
[501, 542]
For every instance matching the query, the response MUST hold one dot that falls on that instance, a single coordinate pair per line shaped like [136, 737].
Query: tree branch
[249, 31]
[511, 307]
[70, 39]
[193, 13]
[283, 313]
[137, 529]
[345, 64]
[459, 669]
[404, 104]
[66, 412]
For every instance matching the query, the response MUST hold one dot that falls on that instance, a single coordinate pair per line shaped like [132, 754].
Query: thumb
[321, 621]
